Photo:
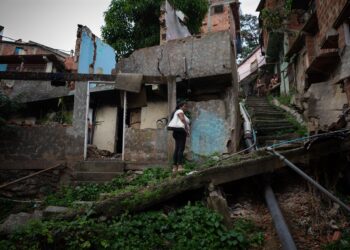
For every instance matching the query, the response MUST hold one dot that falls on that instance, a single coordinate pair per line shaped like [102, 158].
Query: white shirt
[176, 121]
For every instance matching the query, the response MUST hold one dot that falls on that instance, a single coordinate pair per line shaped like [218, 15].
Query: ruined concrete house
[65, 117]
[313, 58]
[203, 71]
[51, 127]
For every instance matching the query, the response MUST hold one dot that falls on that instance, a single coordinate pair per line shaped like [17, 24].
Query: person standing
[181, 129]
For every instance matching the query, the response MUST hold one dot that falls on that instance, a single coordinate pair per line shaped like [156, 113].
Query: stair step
[100, 166]
[272, 125]
[268, 121]
[264, 140]
[274, 130]
[268, 115]
[96, 176]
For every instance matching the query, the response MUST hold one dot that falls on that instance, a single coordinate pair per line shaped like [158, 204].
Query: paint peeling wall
[153, 112]
[324, 102]
[92, 55]
[210, 130]
[105, 128]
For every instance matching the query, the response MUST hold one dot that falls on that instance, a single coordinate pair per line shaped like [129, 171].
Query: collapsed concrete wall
[325, 102]
[92, 55]
[192, 57]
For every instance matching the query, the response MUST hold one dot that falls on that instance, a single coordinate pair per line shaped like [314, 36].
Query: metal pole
[277, 217]
[31, 175]
[309, 179]
[124, 126]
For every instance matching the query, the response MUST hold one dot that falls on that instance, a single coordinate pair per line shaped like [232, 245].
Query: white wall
[153, 112]
[104, 133]
[244, 67]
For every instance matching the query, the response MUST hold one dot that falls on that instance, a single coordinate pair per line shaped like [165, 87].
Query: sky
[54, 22]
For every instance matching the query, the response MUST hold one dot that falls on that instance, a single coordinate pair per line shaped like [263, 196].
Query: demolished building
[122, 109]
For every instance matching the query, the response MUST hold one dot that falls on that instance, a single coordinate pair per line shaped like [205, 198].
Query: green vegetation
[7, 108]
[274, 18]
[286, 100]
[249, 34]
[299, 129]
[134, 24]
[121, 184]
[342, 243]
[190, 227]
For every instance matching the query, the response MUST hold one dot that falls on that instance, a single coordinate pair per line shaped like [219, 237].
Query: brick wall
[327, 13]
[7, 49]
[219, 21]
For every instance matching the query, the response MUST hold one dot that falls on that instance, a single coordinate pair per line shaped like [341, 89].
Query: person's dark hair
[180, 105]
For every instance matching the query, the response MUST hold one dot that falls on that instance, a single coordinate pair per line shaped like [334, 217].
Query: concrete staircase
[97, 171]
[270, 123]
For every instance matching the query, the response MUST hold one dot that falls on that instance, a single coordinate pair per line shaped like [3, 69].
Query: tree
[134, 24]
[249, 35]
[7, 108]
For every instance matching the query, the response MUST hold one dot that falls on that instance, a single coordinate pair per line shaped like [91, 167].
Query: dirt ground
[312, 222]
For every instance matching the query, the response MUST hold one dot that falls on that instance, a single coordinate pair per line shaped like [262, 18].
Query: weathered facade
[313, 57]
[204, 71]
[201, 69]
[50, 129]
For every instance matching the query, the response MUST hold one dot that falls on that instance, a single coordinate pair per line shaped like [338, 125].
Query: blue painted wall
[209, 133]
[105, 55]
[3, 67]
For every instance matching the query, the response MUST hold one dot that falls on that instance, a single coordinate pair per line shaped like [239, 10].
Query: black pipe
[309, 179]
[276, 214]
[277, 217]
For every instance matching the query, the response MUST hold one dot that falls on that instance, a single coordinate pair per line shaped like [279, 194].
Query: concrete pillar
[171, 82]
[80, 111]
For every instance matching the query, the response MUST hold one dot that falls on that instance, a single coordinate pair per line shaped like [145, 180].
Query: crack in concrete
[159, 60]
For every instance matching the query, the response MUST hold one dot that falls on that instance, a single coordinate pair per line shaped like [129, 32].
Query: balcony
[330, 40]
[322, 66]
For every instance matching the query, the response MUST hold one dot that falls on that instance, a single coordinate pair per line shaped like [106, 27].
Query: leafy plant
[342, 243]
[274, 18]
[134, 24]
[249, 35]
[124, 183]
[190, 227]
[8, 107]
